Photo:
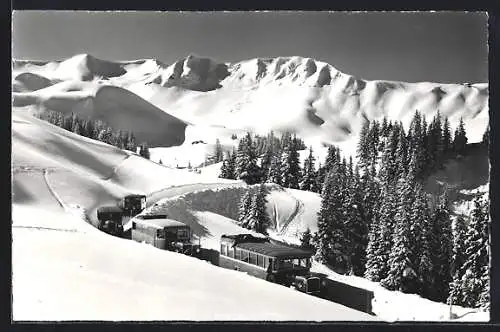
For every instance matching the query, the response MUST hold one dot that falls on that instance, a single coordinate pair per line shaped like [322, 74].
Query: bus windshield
[183, 233]
[294, 263]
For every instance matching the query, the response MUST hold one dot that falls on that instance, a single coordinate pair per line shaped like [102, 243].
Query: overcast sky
[439, 47]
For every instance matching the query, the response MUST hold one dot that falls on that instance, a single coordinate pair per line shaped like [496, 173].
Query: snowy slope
[395, 306]
[82, 274]
[299, 94]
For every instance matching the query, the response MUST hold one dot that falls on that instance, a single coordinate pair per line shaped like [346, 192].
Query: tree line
[95, 129]
[376, 220]
[279, 160]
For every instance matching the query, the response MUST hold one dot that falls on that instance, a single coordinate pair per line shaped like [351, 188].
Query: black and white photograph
[262, 166]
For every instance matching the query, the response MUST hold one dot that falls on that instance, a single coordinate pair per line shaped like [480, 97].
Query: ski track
[299, 210]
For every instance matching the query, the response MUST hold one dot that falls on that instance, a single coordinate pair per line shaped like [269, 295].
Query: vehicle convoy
[132, 204]
[110, 220]
[266, 259]
[164, 233]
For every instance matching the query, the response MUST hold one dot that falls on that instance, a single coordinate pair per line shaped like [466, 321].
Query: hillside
[304, 95]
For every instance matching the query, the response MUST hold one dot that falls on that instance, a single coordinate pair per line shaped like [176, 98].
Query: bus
[110, 220]
[133, 204]
[164, 233]
[269, 260]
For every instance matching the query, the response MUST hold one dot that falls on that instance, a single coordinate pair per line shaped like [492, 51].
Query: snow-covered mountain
[304, 95]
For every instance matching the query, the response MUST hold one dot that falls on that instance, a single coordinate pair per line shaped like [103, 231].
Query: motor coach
[269, 260]
[133, 204]
[110, 220]
[164, 233]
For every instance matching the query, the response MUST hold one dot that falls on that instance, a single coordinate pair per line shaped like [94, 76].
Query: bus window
[230, 251]
[262, 261]
[223, 250]
[237, 253]
[253, 258]
[245, 256]
[259, 260]
[285, 264]
[160, 234]
[183, 233]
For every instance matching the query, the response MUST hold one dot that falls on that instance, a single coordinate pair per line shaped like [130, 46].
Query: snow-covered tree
[290, 166]
[308, 181]
[218, 152]
[441, 250]
[246, 161]
[244, 208]
[306, 240]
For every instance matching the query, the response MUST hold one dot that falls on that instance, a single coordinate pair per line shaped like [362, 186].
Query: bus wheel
[271, 278]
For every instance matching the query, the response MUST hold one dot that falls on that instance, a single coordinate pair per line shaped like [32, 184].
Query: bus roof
[264, 246]
[274, 250]
[135, 196]
[104, 209]
[160, 222]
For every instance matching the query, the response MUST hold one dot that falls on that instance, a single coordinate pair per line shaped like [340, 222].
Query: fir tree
[266, 161]
[441, 249]
[144, 152]
[218, 153]
[258, 219]
[320, 179]
[363, 148]
[355, 224]
[306, 240]
[460, 139]
[246, 161]
[476, 265]
[308, 181]
[422, 245]
[290, 167]
[244, 208]
[274, 174]
[447, 143]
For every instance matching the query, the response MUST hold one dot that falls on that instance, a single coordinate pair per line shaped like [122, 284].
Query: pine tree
[324, 251]
[77, 129]
[306, 240]
[422, 244]
[442, 250]
[472, 283]
[458, 258]
[131, 144]
[308, 181]
[447, 143]
[258, 219]
[435, 144]
[218, 153]
[290, 167]
[244, 208]
[266, 161]
[224, 173]
[274, 174]
[356, 227]
[460, 139]
[246, 161]
[144, 152]
[363, 148]
[402, 273]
